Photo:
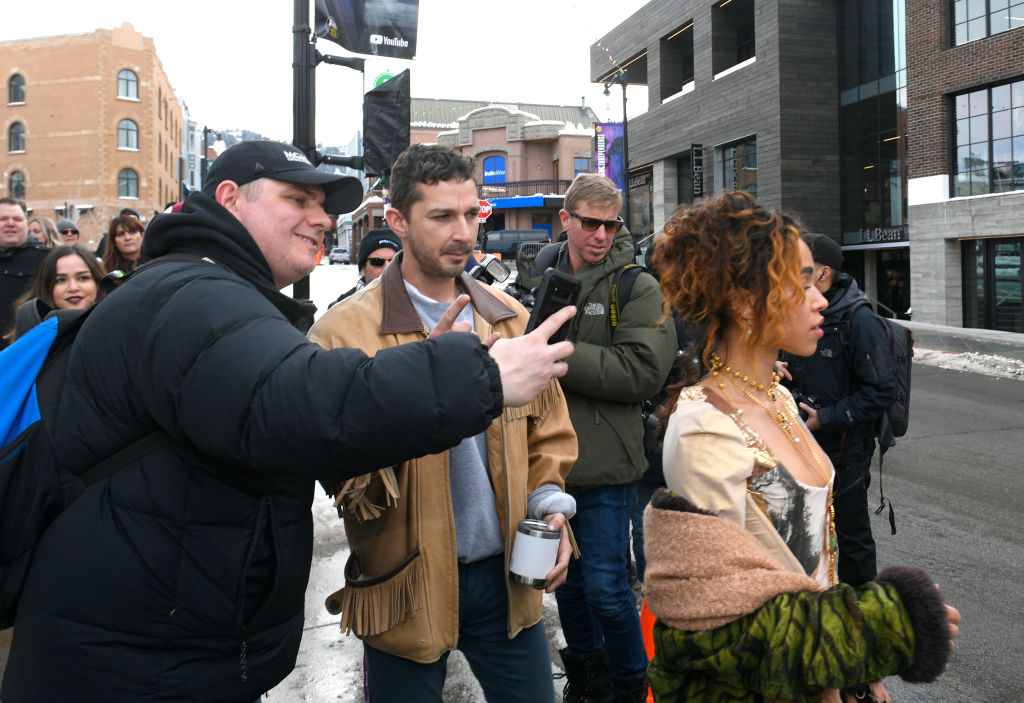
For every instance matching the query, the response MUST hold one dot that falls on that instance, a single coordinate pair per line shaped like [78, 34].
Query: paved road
[957, 485]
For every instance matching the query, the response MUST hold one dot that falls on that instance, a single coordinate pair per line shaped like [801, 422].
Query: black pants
[856, 564]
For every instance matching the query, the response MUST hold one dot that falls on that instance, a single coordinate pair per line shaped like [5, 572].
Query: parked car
[506, 242]
[338, 255]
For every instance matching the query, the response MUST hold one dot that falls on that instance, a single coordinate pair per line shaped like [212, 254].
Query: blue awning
[517, 202]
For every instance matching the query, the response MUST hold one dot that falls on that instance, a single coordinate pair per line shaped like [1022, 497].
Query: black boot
[631, 688]
[588, 677]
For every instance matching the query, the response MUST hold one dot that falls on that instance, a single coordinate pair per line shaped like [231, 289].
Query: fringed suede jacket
[733, 625]
[401, 580]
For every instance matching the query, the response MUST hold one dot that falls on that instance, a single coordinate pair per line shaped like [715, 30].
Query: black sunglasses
[377, 261]
[590, 224]
[69, 231]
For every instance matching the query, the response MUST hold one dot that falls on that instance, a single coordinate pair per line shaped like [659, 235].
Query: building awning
[520, 202]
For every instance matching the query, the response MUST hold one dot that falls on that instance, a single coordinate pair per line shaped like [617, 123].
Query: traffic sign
[485, 211]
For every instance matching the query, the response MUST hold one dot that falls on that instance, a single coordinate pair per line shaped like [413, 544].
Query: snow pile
[988, 364]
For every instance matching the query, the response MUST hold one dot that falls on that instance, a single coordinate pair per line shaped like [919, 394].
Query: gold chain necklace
[786, 424]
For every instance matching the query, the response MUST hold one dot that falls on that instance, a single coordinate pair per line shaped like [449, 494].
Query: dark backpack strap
[136, 450]
[622, 286]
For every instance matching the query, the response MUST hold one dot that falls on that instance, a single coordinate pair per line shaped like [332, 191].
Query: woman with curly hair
[741, 549]
[123, 251]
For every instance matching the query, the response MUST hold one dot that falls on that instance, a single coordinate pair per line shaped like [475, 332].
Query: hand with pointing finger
[528, 363]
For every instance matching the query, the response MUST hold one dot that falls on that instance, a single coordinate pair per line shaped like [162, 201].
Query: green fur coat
[781, 640]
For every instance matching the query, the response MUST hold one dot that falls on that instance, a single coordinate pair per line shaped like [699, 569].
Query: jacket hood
[205, 227]
[843, 293]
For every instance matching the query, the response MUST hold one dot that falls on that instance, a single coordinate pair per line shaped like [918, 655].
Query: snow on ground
[988, 364]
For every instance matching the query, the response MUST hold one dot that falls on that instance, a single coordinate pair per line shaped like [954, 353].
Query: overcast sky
[230, 60]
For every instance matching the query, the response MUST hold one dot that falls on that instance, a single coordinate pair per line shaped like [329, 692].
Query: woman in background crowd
[123, 251]
[44, 231]
[741, 551]
[68, 278]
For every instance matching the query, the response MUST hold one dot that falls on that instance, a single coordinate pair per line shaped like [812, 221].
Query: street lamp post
[204, 162]
[621, 80]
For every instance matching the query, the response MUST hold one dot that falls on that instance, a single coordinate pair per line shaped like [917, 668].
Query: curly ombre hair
[725, 254]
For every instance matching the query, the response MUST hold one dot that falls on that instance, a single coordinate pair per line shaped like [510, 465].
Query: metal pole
[202, 161]
[303, 101]
[625, 154]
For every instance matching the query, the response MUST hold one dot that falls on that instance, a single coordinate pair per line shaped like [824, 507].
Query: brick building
[91, 124]
[526, 154]
[965, 80]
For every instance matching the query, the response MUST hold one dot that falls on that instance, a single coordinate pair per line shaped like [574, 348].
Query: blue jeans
[595, 604]
[642, 492]
[516, 670]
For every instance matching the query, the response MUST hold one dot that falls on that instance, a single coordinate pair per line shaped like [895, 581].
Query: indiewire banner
[374, 27]
[608, 148]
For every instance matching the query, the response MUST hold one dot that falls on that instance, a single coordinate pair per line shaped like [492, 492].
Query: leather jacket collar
[399, 316]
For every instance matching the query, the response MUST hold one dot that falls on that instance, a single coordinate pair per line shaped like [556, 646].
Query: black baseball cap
[377, 239]
[246, 161]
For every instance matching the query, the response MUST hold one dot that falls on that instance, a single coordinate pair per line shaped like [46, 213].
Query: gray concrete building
[801, 102]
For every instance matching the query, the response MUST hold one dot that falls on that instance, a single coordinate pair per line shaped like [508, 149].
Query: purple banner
[608, 150]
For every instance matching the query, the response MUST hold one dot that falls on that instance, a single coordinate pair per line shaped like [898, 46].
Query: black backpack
[34, 485]
[896, 420]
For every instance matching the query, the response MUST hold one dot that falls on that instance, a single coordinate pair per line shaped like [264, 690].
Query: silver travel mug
[534, 553]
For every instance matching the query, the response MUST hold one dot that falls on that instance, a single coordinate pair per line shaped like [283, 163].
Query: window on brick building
[977, 19]
[580, 164]
[127, 85]
[127, 135]
[739, 165]
[127, 183]
[16, 186]
[732, 33]
[16, 89]
[16, 137]
[989, 140]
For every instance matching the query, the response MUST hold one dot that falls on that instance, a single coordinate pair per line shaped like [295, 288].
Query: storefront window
[992, 284]
[739, 166]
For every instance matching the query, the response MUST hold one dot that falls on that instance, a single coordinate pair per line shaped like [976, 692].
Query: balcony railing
[512, 189]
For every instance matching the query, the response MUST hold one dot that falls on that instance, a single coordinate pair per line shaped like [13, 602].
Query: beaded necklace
[786, 423]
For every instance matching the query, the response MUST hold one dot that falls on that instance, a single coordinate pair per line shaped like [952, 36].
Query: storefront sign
[697, 161]
[875, 235]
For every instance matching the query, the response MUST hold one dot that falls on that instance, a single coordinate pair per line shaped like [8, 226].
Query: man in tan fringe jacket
[431, 539]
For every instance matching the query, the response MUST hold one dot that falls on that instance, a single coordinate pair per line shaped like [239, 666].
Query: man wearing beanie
[376, 250]
[845, 388]
[68, 231]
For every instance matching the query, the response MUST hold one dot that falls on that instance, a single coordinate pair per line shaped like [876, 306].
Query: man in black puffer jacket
[844, 389]
[181, 577]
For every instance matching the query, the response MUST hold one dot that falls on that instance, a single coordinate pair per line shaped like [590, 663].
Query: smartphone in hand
[556, 290]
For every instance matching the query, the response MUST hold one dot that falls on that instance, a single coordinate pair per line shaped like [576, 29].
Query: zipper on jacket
[242, 646]
[258, 533]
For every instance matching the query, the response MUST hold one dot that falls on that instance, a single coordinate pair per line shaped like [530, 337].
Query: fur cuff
[921, 598]
[664, 499]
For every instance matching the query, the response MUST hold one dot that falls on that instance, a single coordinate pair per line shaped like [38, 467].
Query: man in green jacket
[614, 367]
